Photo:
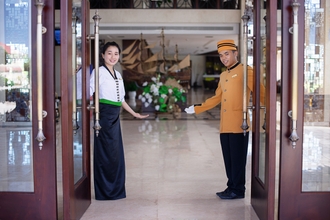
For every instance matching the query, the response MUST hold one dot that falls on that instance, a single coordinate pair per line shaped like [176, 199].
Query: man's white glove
[190, 110]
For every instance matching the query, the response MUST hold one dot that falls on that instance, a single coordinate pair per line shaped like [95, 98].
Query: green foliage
[162, 97]
[130, 86]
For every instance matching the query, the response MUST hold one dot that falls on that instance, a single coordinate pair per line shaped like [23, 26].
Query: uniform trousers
[234, 150]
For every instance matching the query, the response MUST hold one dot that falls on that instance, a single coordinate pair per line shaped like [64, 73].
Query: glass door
[75, 117]
[27, 128]
[304, 186]
[264, 113]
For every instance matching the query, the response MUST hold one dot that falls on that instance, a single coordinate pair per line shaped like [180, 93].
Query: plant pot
[131, 98]
[132, 94]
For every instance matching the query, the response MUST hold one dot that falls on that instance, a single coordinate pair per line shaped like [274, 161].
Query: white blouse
[109, 88]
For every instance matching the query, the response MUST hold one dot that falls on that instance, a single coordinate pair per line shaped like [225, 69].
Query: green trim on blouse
[105, 101]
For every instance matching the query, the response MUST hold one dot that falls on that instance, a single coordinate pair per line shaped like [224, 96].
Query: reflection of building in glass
[315, 98]
[15, 84]
[15, 62]
[21, 111]
[314, 68]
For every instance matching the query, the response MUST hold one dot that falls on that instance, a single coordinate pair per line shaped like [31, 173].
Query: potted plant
[163, 97]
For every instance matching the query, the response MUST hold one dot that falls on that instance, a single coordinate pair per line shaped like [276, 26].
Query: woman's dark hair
[108, 44]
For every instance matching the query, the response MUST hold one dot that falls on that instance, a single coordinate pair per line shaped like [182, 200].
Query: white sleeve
[92, 83]
[79, 84]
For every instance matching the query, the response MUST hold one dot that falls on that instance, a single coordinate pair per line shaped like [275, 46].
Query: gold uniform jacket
[230, 94]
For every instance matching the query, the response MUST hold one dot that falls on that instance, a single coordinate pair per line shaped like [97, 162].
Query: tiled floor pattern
[174, 167]
[173, 170]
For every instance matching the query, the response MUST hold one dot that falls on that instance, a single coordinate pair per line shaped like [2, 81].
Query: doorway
[299, 48]
[30, 119]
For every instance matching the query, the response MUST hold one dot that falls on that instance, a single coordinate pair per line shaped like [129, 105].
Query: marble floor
[174, 168]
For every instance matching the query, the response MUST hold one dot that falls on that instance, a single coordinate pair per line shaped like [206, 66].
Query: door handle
[41, 113]
[75, 125]
[96, 107]
[245, 19]
[293, 113]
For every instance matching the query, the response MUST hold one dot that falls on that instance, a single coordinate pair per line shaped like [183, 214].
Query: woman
[109, 163]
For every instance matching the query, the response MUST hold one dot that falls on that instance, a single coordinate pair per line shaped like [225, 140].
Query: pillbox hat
[226, 45]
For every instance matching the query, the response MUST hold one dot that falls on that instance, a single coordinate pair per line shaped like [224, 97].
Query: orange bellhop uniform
[230, 94]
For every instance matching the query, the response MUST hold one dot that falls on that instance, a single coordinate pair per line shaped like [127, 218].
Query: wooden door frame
[83, 188]
[263, 194]
[76, 197]
[66, 108]
[289, 170]
[42, 202]
[293, 203]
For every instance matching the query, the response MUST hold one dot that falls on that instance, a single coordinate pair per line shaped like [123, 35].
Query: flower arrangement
[163, 97]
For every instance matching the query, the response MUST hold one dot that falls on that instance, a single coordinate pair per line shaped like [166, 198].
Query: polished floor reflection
[16, 163]
[316, 159]
[174, 167]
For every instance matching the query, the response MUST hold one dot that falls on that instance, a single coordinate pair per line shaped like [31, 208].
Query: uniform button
[226, 80]
[225, 90]
[225, 100]
[224, 110]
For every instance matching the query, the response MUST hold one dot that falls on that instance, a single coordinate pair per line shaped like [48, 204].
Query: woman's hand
[130, 110]
[138, 115]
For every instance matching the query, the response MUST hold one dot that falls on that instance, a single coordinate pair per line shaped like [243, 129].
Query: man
[234, 142]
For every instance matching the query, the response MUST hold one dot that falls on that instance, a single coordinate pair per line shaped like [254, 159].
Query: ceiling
[190, 39]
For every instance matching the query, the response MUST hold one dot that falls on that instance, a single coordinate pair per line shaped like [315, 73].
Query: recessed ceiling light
[208, 36]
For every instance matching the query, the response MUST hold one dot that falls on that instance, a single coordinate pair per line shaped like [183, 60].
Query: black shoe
[231, 195]
[225, 192]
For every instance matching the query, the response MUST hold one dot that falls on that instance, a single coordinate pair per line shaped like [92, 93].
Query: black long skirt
[109, 162]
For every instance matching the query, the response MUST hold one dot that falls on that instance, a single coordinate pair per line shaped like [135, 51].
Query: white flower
[249, 3]
[140, 97]
[148, 96]
[153, 87]
[145, 84]
[163, 96]
[157, 107]
[170, 91]
[159, 84]
[153, 79]
[143, 99]
[150, 100]
[146, 104]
